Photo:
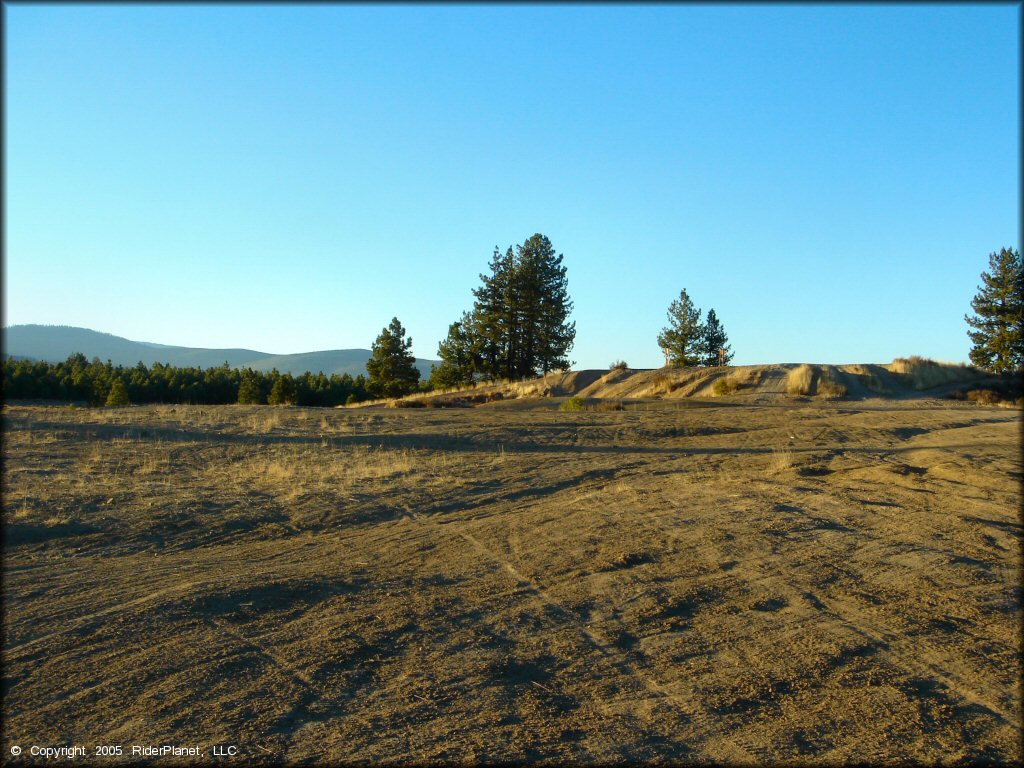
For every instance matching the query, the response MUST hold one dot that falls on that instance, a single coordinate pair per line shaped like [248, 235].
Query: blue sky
[830, 179]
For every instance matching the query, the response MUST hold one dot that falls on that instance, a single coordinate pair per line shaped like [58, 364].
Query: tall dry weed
[800, 380]
[924, 373]
[780, 461]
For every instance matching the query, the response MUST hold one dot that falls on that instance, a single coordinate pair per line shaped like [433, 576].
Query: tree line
[517, 328]
[81, 380]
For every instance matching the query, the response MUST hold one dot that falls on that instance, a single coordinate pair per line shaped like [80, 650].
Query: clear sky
[830, 179]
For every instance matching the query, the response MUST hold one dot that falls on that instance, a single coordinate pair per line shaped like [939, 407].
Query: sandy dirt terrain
[736, 579]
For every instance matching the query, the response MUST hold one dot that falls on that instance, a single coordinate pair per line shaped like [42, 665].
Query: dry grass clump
[811, 380]
[869, 378]
[577, 403]
[410, 403]
[925, 373]
[736, 380]
[1002, 397]
[661, 384]
[800, 380]
[668, 380]
[781, 460]
[828, 385]
[292, 472]
[529, 389]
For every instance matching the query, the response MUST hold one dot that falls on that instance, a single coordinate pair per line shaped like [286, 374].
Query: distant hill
[54, 343]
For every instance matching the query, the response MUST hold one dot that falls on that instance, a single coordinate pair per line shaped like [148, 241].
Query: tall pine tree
[392, 366]
[544, 303]
[998, 322]
[714, 343]
[519, 326]
[681, 340]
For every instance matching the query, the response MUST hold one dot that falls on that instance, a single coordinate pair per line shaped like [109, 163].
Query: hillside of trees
[79, 380]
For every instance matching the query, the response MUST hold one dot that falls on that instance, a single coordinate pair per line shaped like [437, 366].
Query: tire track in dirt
[725, 750]
[170, 569]
[905, 652]
[916, 654]
[264, 651]
[77, 623]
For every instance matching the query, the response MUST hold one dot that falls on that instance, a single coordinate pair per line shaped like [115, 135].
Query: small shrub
[406, 404]
[983, 396]
[618, 365]
[574, 403]
[725, 386]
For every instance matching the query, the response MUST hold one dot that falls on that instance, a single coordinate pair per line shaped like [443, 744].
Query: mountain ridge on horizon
[54, 343]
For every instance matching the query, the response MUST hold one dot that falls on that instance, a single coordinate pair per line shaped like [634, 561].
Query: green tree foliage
[283, 390]
[518, 327]
[458, 362]
[249, 390]
[682, 340]
[392, 366]
[542, 309]
[118, 394]
[79, 380]
[998, 322]
[713, 341]
[491, 327]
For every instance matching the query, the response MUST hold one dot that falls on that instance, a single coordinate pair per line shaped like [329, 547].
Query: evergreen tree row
[96, 383]
[518, 327]
[687, 341]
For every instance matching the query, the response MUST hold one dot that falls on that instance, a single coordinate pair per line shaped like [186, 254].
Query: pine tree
[518, 327]
[714, 341]
[681, 339]
[249, 391]
[998, 323]
[458, 362]
[492, 326]
[283, 392]
[392, 366]
[543, 308]
[118, 394]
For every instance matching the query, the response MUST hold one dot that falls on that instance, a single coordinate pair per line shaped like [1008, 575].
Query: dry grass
[828, 385]
[389, 585]
[781, 461]
[812, 380]
[800, 380]
[869, 378]
[924, 373]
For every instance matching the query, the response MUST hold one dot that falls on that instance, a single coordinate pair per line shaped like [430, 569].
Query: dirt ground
[700, 580]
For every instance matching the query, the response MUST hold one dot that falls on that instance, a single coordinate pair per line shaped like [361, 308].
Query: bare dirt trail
[728, 580]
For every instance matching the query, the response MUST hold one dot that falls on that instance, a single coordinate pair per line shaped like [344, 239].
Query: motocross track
[745, 579]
